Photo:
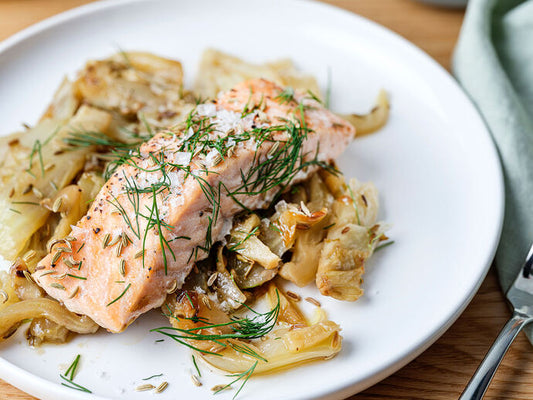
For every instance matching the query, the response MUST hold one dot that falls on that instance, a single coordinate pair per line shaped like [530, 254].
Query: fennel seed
[54, 242]
[196, 381]
[206, 302]
[218, 388]
[139, 254]
[173, 288]
[37, 193]
[212, 278]
[114, 241]
[105, 240]
[123, 267]
[27, 189]
[118, 249]
[273, 150]
[74, 293]
[57, 286]
[70, 239]
[49, 166]
[57, 204]
[125, 240]
[217, 160]
[64, 249]
[56, 256]
[293, 296]
[27, 275]
[3, 296]
[29, 255]
[161, 387]
[313, 301]
[145, 387]
[50, 271]
[304, 208]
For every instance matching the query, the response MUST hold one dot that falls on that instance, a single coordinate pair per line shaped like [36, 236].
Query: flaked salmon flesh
[163, 208]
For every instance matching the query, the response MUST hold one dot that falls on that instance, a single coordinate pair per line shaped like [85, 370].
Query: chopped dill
[77, 277]
[244, 375]
[382, 246]
[314, 97]
[190, 300]
[153, 376]
[328, 90]
[72, 369]
[237, 246]
[274, 228]
[196, 366]
[355, 206]
[286, 95]
[30, 203]
[15, 211]
[120, 296]
[70, 374]
[36, 149]
[253, 327]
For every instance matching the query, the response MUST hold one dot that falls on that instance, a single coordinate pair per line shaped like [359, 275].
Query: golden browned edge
[444, 369]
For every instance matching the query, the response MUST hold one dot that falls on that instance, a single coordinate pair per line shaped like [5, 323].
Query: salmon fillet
[165, 205]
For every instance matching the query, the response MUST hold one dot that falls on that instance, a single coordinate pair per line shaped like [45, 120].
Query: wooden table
[445, 368]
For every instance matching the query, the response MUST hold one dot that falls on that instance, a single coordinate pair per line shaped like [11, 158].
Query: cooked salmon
[166, 204]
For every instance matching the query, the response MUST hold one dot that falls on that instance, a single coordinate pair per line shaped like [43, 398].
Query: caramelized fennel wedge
[47, 308]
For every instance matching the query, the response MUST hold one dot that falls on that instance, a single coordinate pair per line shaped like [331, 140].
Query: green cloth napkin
[493, 61]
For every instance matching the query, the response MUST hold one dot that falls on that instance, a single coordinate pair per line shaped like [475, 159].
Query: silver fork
[520, 295]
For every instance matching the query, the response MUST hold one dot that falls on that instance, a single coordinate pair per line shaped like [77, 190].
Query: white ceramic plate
[434, 164]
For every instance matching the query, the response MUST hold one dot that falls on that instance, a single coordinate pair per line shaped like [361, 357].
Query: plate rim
[16, 375]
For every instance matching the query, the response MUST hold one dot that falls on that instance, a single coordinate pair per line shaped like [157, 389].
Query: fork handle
[479, 383]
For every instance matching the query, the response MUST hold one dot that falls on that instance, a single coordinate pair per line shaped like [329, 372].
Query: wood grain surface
[443, 370]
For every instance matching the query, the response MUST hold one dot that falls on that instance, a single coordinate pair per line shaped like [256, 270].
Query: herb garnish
[286, 95]
[254, 327]
[120, 296]
[237, 246]
[244, 375]
[153, 376]
[381, 246]
[196, 366]
[69, 375]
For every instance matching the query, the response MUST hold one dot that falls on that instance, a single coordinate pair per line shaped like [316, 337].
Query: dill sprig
[355, 205]
[314, 97]
[254, 327]
[116, 151]
[237, 246]
[286, 95]
[77, 139]
[328, 89]
[69, 375]
[382, 246]
[244, 376]
[119, 296]
[196, 366]
[36, 149]
[151, 377]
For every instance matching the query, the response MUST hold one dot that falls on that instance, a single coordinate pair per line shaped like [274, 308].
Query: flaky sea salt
[206, 110]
